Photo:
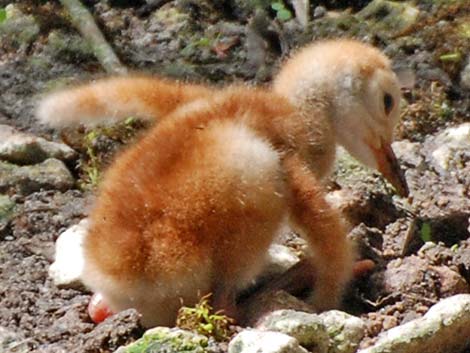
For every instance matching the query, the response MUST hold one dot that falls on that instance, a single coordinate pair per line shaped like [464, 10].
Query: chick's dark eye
[388, 103]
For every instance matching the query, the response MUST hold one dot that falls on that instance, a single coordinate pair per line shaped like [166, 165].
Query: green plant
[91, 168]
[95, 156]
[454, 247]
[3, 14]
[282, 12]
[201, 319]
[425, 232]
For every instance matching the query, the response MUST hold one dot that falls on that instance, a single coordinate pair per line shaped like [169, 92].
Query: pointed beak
[388, 165]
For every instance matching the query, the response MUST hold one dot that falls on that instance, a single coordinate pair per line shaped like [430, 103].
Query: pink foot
[98, 309]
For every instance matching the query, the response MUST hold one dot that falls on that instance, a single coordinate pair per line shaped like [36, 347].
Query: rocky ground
[421, 246]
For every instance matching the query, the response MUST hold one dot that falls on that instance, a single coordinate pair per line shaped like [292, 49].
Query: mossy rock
[70, 46]
[389, 17]
[164, 339]
[7, 211]
[18, 28]
[52, 174]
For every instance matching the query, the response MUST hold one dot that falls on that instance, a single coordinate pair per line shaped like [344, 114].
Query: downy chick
[193, 206]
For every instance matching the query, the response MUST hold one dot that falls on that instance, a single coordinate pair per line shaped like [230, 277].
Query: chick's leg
[321, 225]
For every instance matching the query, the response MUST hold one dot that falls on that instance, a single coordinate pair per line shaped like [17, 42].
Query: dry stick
[301, 9]
[84, 22]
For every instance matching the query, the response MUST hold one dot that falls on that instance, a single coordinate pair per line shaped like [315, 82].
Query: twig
[84, 22]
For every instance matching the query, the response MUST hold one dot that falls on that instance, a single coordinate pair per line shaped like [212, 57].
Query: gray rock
[345, 331]
[67, 268]
[255, 341]
[50, 174]
[307, 329]
[444, 328]
[169, 340]
[18, 28]
[21, 148]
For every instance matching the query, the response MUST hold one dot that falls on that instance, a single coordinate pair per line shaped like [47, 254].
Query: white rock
[448, 142]
[280, 259]
[68, 265]
[345, 331]
[408, 152]
[255, 341]
[445, 328]
[308, 329]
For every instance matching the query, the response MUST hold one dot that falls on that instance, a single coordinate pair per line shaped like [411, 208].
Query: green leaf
[426, 232]
[277, 6]
[3, 15]
[284, 15]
